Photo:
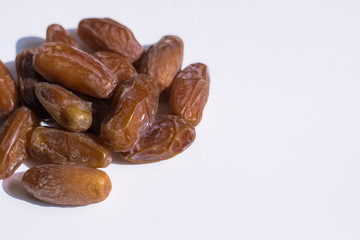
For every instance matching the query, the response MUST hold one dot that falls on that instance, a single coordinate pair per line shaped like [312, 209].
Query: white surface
[277, 153]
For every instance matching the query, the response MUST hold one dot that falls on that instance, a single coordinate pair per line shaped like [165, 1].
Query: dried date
[56, 33]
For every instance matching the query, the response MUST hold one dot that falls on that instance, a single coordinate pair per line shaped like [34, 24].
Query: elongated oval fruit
[163, 60]
[14, 139]
[52, 145]
[166, 137]
[56, 33]
[73, 185]
[189, 92]
[105, 34]
[9, 95]
[133, 107]
[28, 78]
[118, 65]
[68, 66]
[66, 108]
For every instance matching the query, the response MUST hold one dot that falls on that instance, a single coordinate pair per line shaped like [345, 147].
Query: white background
[277, 153]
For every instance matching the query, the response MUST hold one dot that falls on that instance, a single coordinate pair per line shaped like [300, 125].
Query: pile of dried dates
[71, 109]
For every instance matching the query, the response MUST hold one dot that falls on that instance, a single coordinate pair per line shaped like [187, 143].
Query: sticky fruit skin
[56, 33]
[14, 139]
[163, 60]
[133, 109]
[189, 92]
[118, 65]
[105, 34]
[166, 137]
[72, 185]
[66, 108]
[28, 78]
[77, 70]
[51, 145]
[9, 95]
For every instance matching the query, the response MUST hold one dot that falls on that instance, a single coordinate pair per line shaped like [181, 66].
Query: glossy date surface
[56, 33]
[9, 95]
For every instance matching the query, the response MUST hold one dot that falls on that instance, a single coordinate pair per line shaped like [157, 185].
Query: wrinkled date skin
[68, 66]
[168, 136]
[105, 34]
[73, 185]
[190, 92]
[133, 108]
[28, 78]
[56, 33]
[9, 95]
[118, 65]
[66, 108]
[14, 139]
[163, 60]
[52, 145]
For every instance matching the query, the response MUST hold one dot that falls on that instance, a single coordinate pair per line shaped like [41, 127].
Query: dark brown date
[56, 33]
[168, 136]
[68, 66]
[66, 108]
[133, 108]
[9, 95]
[28, 78]
[163, 60]
[14, 139]
[190, 92]
[105, 34]
[118, 65]
[73, 185]
[51, 145]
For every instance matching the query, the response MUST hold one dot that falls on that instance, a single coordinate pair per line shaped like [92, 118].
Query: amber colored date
[105, 34]
[166, 137]
[117, 65]
[52, 145]
[9, 95]
[190, 92]
[163, 60]
[68, 66]
[133, 107]
[66, 108]
[56, 33]
[73, 185]
[14, 139]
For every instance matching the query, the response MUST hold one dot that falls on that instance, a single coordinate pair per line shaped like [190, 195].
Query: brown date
[9, 95]
[28, 78]
[166, 137]
[66, 108]
[133, 108]
[105, 34]
[56, 33]
[14, 139]
[189, 92]
[73, 185]
[118, 65]
[163, 60]
[68, 66]
[52, 145]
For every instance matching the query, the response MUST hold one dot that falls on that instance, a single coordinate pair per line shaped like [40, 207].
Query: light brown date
[14, 139]
[9, 95]
[28, 78]
[189, 92]
[133, 108]
[166, 137]
[73, 185]
[52, 145]
[68, 66]
[117, 65]
[66, 108]
[163, 60]
[105, 34]
[56, 33]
